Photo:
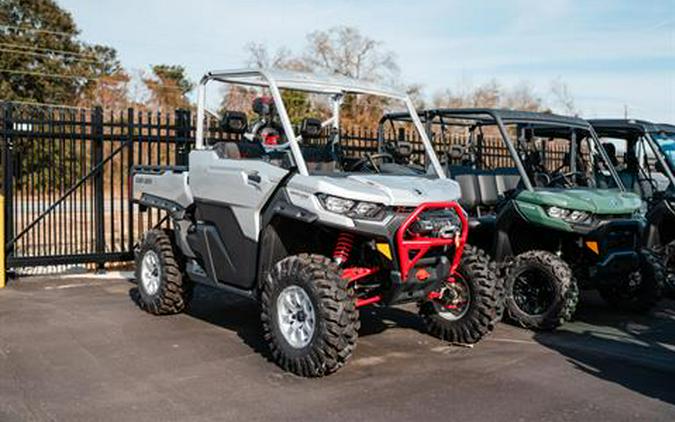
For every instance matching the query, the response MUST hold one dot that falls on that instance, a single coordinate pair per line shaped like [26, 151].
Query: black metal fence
[66, 177]
[66, 180]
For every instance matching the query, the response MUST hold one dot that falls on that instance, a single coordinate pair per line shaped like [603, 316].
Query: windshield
[562, 157]
[529, 153]
[317, 129]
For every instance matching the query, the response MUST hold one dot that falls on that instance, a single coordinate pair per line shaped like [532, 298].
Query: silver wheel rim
[150, 272]
[296, 316]
[462, 301]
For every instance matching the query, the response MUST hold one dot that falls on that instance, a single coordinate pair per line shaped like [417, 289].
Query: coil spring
[343, 247]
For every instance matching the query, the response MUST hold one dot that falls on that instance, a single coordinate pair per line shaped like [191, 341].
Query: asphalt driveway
[79, 349]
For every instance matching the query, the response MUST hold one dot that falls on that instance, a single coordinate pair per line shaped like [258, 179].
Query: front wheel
[469, 305]
[309, 315]
[640, 290]
[541, 292]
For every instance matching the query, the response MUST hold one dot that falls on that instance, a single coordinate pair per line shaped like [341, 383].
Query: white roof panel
[303, 81]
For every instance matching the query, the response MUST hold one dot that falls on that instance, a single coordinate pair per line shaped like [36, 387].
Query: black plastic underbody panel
[225, 253]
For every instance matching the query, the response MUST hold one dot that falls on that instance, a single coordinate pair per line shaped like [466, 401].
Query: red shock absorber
[343, 247]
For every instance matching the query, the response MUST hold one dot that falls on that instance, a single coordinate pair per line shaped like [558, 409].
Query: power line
[42, 31]
[46, 75]
[34, 53]
[35, 103]
[47, 50]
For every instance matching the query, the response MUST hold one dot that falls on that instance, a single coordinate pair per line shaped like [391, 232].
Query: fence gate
[66, 180]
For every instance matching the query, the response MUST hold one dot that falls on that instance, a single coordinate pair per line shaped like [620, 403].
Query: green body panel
[532, 204]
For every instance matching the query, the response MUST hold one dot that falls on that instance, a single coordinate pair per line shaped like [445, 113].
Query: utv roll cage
[624, 129]
[335, 86]
[501, 118]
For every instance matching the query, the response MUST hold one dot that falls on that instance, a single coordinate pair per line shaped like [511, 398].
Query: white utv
[279, 213]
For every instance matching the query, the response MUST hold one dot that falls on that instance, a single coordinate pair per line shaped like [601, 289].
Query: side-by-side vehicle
[552, 212]
[644, 155]
[276, 211]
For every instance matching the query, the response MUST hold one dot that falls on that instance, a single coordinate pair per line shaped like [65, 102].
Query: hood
[384, 189]
[596, 201]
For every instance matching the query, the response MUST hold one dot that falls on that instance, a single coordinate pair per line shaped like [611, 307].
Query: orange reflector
[592, 245]
[422, 274]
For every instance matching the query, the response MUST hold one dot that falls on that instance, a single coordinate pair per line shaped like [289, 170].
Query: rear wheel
[640, 290]
[309, 315]
[469, 305]
[541, 292]
[162, 288]
[668, 255]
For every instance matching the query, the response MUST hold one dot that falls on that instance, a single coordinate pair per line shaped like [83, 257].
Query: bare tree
[259, 56]
[416, 93]
[563, 98]
[522, 97]
[491, 95]
[345, 51]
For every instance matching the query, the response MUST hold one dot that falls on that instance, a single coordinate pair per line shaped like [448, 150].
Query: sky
[614, 55]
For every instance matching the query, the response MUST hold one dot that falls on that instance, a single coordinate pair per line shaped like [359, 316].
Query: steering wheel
[371, 160]
[565, 178]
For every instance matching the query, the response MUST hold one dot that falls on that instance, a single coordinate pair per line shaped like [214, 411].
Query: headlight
[351, 208]
[570, 216]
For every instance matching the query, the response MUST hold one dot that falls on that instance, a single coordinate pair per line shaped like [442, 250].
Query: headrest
[631, 160]
[567, 159]
[234, 122]
[610, 148]
[404, 148]
[263, 106]
[399, 149]
[310, 128]
[457, 152]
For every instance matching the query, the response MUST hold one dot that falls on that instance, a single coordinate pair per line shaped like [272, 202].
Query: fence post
[97, 158]
[6, 220]
[130, 171]
[182, 121]
[7, 223]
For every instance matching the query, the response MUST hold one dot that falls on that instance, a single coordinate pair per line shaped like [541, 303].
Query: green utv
[644, 155]
[551, 210]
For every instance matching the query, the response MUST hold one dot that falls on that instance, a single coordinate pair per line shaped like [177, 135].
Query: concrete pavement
[80, 350]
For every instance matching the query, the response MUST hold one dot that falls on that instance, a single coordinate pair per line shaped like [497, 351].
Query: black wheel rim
[533, 291]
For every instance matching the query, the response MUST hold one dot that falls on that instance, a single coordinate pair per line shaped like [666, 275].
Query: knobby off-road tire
[641, 289]
[311, 284]
[667, 254]
[162, 287]
[544, 277]
[483, 310]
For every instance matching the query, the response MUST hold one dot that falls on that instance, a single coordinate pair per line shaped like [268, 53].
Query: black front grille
[619, 240]
[438, 223]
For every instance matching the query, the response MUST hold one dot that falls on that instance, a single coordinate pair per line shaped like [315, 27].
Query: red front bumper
[412, 248]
